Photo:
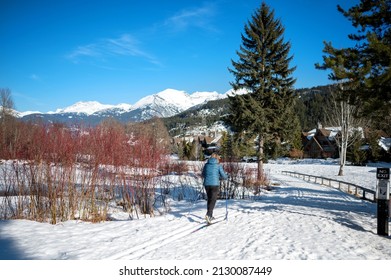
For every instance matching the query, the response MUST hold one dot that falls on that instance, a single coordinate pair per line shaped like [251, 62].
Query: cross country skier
[213, 171]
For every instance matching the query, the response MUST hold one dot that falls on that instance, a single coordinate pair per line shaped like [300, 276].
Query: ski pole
[226, 200]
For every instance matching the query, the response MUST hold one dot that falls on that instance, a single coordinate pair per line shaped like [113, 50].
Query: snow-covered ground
[296, 220]
[364, 176]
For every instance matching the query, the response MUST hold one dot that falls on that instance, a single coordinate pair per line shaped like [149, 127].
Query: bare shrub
[58, 173]
[243, 181]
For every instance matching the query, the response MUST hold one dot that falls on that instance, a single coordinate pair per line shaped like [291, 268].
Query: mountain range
[179, 110]
[164, 104]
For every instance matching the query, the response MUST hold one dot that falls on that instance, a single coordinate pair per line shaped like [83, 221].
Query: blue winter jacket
[213, 172]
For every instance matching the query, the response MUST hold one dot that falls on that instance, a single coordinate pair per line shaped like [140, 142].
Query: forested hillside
[312, 106]
[202, 115]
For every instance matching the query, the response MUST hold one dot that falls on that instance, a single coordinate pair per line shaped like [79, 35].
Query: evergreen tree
[229, 150]
[263, 72]
[364, 70]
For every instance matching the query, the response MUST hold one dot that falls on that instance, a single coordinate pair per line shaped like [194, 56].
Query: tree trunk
[341, 168]
[342, 156]
[260, 157]
[345, 126]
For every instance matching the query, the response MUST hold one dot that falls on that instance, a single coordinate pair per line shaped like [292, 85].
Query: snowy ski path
[298, 220]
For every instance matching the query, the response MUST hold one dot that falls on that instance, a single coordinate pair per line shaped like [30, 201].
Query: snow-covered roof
[333, 131]
[385, 143]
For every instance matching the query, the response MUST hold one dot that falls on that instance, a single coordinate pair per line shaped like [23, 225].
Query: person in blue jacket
[212, 172]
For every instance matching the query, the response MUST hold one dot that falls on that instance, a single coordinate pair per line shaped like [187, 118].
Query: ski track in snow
[138, 251]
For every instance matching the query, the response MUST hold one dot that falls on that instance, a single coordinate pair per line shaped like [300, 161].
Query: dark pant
[212, 192]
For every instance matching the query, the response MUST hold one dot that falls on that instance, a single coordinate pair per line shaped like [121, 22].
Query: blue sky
[56, 53]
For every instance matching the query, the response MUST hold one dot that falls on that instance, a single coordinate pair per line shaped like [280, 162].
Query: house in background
[320, 143]
[384, 150]
[385, 144]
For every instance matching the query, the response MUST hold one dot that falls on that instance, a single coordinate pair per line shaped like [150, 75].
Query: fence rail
[358, 191]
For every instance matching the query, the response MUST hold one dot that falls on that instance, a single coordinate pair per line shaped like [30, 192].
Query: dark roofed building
[320, 143]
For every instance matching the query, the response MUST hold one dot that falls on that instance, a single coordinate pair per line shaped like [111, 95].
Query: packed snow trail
[135, 252]
[296, 220]
[140, 250]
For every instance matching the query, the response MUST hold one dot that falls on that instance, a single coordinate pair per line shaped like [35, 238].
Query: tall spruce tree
[364, 69]
[263, 71]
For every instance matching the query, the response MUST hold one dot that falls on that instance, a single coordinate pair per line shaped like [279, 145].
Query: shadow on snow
[8, 248]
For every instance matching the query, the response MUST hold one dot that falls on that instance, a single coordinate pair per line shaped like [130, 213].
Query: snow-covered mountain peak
[170, 96]
[200, 97]
[178, 98]
[88, 108]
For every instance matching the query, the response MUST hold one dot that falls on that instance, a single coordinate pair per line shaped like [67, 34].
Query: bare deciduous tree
[6, 103]
[6, 118]
[343, 116]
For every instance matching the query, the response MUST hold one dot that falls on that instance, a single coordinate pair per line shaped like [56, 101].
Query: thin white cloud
[200, 17]
[88, 50]
[125, 45]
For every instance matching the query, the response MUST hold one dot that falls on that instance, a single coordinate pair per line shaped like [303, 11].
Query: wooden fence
[358, 191]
